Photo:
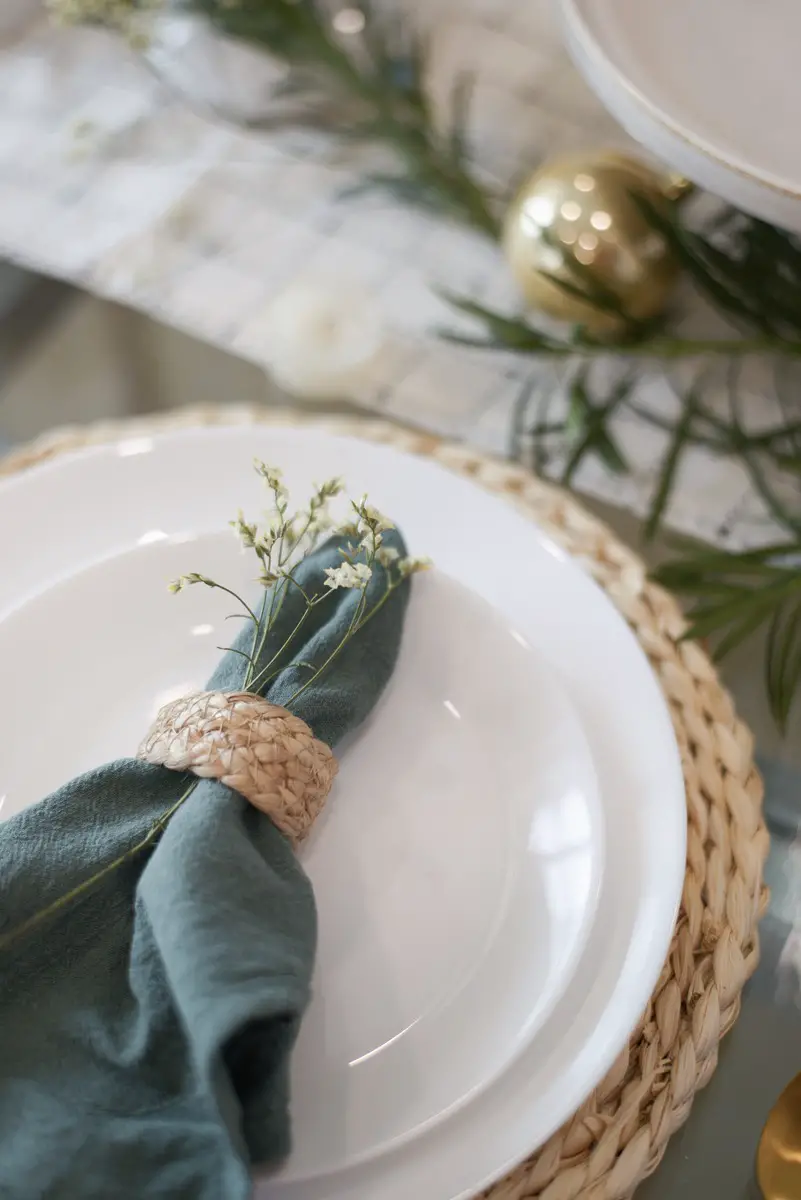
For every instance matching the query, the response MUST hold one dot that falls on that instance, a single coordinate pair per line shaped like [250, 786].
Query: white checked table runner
[202, 226]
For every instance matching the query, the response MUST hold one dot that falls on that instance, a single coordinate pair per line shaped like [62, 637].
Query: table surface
[110, 180]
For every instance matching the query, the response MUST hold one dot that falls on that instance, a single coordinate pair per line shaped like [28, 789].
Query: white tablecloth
[110, 180]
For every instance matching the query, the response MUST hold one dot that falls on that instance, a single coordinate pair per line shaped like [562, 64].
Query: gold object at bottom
[778, 1163]
[576, 219]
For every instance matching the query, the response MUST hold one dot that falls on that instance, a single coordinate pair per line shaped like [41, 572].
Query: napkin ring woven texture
[268, 755]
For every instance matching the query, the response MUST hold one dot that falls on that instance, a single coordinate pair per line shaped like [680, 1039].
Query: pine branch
[380, 88]
[588, 426]
[504, 331]
[682, 434]
[735, 595]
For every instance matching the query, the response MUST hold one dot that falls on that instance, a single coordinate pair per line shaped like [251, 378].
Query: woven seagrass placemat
[619, 1134]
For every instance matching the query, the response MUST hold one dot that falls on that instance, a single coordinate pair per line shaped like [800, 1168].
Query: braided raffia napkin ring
[620, 1133]
[268, 755]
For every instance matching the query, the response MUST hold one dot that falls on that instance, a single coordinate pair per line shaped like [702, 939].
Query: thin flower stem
[258, 642]
[233, 650]
[288, 575]
[222, 588]
[336, 651]
[251, 680]
[254, 682]
[352, 630]
[68, 897]
[258, 681]
[390, 588]
[264, 680]
[284, 557]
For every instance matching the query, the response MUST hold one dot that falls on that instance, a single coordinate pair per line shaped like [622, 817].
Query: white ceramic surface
[713, 88]
[502, 1045]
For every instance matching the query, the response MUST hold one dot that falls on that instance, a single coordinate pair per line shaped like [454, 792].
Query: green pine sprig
[736, 594]
[373, 90]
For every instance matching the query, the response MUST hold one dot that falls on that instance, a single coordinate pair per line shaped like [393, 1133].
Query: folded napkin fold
[146, 1027]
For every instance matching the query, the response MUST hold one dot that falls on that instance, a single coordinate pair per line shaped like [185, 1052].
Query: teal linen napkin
[146, 1028]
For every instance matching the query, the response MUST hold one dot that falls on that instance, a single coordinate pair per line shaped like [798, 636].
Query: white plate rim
[755, 190]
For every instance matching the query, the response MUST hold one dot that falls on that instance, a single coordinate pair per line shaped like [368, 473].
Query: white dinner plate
[500, 865]
[713, 88]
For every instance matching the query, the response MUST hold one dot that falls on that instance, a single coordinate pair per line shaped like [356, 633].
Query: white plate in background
[713, 88]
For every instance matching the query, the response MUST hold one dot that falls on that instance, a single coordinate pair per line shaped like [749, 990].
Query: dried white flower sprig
[278, 545]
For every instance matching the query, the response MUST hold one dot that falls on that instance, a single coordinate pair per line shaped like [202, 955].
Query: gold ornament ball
[580, 210]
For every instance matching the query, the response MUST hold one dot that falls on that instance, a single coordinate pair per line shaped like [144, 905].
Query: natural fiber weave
[620, 1133]
[268, 755]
